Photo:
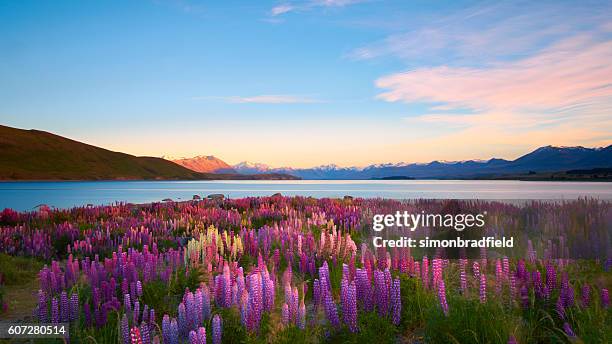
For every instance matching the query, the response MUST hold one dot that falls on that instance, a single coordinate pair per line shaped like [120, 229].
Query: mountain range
[39, 155]
[542, 160]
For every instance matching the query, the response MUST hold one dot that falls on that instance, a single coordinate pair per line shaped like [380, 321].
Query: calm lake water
[26, 195]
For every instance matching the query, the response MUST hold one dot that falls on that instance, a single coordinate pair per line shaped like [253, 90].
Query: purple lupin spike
[145, 333]
[350, 308]
[193, 337]
[64, 307]
[586, 295]
[568, 330]
[125, 330]
[483, 288]
[74, 307]
[202, 335]
[285, 314]
[55, 318]
[331, 311]
[43, 313]
[217, 327]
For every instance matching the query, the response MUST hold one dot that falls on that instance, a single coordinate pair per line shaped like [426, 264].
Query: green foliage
[372, 329]
[468, 321]
[18, 270]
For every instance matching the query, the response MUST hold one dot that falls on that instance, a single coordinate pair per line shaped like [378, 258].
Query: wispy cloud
[572, 78]
[264, 99]
[484, 33]
[489, 77]
[280, 9]
[297, 6]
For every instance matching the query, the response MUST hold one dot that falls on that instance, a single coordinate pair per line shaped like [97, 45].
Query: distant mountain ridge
[203, 163]
[39, 155]
[544, 159]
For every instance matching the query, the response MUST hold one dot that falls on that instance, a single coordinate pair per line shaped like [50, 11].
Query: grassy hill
[39, 155]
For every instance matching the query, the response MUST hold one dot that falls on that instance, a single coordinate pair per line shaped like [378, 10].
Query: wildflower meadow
[303, 270]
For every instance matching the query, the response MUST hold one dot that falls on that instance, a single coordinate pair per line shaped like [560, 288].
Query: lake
[27, 195]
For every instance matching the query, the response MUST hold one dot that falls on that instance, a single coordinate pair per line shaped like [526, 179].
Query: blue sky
[303, 83]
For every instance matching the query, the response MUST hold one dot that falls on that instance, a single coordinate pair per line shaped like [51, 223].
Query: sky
[312, 82]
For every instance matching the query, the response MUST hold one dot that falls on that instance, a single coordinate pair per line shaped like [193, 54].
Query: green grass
[18, 270]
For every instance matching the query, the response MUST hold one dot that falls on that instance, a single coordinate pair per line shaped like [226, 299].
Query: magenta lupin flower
[483, 288]
[512, 340]
[135, 336]
[442, 297]
[605, 298]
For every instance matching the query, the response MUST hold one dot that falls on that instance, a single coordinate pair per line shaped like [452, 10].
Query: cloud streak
[265, 99]
[574, 73]
[287, 7]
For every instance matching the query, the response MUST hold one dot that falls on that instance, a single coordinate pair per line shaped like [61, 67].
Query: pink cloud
[574, 73]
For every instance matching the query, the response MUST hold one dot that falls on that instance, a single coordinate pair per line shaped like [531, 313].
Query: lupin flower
[512, 340]
[560, 308]
[43, 316]
[74, 307]
[135, 335]
[64, 307]
[483, 288]
[349, 307]
[193, 337]
[55, 317]
[217, 329]
[285, 314]
[605, 298]
[125, 330]
[568, 330]
[586, 295]
[145, 333]
[182, 320]
[524, 297]
[174, 332]
[331, 311]
[202, 335]
[301, 321]
[396, 302]
[442, 297]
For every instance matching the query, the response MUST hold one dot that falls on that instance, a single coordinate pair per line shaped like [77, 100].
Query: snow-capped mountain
[544, 159]
[203, 163]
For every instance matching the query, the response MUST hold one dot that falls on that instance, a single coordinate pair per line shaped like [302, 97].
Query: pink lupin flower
[483, 288]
